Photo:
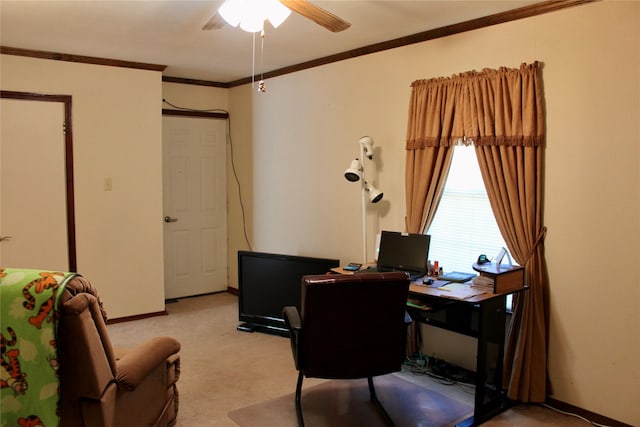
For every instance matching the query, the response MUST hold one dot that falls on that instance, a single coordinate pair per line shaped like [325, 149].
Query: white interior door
[195, 206]
[32, 185]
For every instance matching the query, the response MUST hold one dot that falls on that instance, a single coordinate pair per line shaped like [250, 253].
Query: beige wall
[299, 136]
[116, 134]
[292, 144]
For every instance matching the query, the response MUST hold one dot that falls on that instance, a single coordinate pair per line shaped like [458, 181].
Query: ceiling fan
[310, 11]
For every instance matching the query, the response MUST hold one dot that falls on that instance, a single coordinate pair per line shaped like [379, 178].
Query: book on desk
[457, 276]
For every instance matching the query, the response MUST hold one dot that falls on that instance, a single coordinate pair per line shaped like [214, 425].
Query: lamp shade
[251, 14]
[367, 145]
[375, 195]
[277, 13]
[252, 23]
[231, 11]
[354, 171]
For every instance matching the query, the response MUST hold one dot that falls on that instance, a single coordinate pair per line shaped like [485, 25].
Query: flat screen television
[268, 282]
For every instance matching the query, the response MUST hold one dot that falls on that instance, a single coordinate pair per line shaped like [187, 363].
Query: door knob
[5, 238]
[169, 219]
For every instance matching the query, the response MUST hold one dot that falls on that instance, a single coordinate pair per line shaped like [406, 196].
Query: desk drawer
[462, 318]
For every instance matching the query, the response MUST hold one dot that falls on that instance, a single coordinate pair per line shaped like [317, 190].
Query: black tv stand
[273, 330]
[245, 327]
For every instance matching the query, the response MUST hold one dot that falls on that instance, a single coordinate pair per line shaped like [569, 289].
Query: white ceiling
[168, 32]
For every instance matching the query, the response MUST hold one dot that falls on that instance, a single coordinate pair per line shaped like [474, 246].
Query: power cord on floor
[546, 405]
[420, 364]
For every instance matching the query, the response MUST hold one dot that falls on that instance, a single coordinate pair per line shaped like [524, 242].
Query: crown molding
[473, 24]
[55, 56]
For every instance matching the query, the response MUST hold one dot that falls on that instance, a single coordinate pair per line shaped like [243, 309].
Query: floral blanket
[29, 384]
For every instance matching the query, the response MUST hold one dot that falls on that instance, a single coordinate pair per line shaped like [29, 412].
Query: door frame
[68, 156]
[199, 114]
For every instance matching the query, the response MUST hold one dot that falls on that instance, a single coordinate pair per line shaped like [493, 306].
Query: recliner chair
[349, 327]
[103, 387]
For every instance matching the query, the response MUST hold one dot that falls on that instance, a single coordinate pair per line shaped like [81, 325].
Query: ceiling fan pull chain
[253, 62]
[261, 85]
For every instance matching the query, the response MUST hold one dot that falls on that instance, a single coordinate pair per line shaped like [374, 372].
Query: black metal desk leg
[489, 397]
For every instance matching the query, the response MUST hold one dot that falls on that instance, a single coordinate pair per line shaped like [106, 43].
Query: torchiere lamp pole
[355, 173]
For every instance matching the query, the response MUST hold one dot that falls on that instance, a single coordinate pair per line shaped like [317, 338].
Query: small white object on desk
[460, 291]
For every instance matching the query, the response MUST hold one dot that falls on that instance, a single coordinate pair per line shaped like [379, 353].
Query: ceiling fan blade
[215, 23]
[318, 15]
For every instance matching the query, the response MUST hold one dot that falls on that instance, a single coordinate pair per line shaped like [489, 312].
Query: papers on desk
[456, 276]
[458, 291]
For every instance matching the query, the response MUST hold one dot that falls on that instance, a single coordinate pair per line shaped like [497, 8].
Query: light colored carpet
[224, 370]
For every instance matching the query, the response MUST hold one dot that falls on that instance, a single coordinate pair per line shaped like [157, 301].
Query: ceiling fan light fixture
[276, 12]
[251, 14]
[252, 23]
[231, 11]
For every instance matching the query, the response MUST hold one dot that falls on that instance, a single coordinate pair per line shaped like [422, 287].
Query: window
[464, 226]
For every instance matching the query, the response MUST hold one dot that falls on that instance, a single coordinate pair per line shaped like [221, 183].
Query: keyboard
[413, 275]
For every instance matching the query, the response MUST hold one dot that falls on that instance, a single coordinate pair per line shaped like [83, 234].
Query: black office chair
[350, 327]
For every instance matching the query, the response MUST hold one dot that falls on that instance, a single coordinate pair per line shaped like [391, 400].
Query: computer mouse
[427, 281]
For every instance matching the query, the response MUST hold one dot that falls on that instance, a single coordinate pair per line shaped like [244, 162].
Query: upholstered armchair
[58, 364]
[349, 327]
[104, 387]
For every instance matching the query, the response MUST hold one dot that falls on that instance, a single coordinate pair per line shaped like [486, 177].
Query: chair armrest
[292, 320]
[137, 363]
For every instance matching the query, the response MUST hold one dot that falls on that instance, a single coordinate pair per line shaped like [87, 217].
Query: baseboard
[591, 416]
[231, 290]
[136, 317]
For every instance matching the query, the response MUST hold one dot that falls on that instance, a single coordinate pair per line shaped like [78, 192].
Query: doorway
[37, 226]
[195, 205]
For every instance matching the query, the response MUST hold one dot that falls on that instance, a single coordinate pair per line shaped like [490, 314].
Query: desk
[482, 317]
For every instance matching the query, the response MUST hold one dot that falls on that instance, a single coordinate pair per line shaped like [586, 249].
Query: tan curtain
[432, 129]
[507, 118]
[501, 111]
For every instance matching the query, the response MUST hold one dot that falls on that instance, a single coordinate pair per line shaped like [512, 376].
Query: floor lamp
[355, 173]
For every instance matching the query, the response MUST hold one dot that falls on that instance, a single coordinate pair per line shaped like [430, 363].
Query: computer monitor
[403, 251]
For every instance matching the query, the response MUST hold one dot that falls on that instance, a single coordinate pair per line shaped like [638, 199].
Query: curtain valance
[502, 107]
